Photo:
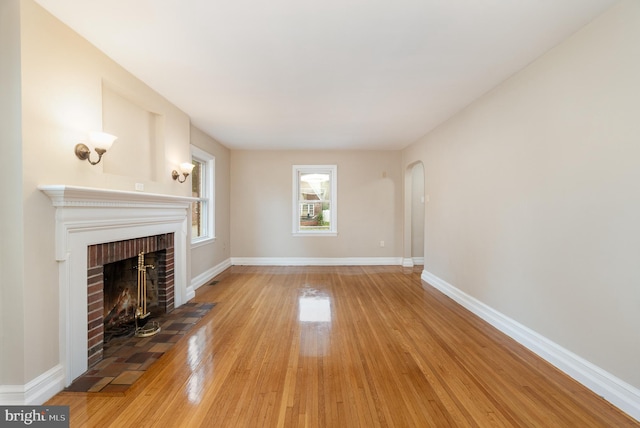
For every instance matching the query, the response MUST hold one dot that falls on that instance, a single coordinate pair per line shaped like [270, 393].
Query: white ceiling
[352, 74]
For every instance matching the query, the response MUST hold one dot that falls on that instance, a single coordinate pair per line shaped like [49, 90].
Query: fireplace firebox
[123, 290]
[112, 286]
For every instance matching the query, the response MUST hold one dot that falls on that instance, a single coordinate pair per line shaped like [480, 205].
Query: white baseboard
[407, 262]
[412, 261]
[316, 261]
[190, 294]
[616, 391]
[34, 392]
[209, 274]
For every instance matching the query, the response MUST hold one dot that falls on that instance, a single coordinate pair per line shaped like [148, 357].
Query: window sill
[200, 242]
[319, 234]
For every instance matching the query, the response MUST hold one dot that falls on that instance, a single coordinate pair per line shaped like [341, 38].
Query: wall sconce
[185, 168]
[100, 141]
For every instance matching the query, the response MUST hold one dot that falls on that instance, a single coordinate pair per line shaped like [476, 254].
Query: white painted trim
[418, 261]
[190, 293]
[317, 261]
[407, 262]
[12, 395]
[34, 392]
[86, 216]
[318, 234]
[210, 187]
[209, 274]
[75, 196]
[203, 242]
[333, 223]
[619, 393]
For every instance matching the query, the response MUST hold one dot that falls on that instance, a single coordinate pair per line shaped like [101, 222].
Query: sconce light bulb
[185, 168]
[102, 140]
[99, 141]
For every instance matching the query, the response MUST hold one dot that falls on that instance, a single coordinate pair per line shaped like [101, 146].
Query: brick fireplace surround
[101, 254]
[85, 219]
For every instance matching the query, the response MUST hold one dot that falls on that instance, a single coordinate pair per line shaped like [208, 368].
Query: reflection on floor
[126, 358]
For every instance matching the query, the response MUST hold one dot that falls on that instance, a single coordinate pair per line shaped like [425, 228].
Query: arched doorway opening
[414, 204]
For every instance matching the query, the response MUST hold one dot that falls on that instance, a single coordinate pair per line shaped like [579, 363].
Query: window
[202, 185]
[307, 210]
[314, 200]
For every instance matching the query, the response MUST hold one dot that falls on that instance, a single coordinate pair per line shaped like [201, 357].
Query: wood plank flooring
[363, 346]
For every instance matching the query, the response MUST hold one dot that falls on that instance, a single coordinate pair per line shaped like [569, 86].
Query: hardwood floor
[392, 351]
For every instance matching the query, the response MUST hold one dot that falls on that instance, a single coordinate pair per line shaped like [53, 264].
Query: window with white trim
[202, 186]
[315, 198]
[307, 210]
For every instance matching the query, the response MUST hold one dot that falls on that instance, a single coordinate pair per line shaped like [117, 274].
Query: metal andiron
[144, 327]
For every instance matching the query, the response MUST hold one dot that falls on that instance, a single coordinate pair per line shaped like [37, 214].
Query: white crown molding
[612, 389]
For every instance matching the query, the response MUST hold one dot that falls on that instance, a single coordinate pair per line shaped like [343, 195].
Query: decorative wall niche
[140, 136]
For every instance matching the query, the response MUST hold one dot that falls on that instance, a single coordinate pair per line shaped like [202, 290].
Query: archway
[414, 208]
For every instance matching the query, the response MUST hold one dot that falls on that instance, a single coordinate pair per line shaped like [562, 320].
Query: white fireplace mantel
[87, 216]
[75, 196]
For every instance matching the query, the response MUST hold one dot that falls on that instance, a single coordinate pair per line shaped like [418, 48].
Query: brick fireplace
[95, 226]
[99, 255]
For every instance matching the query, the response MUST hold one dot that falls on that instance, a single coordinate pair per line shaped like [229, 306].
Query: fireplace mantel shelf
[75, 196]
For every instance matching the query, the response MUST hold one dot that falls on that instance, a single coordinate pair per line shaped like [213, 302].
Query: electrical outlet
[382, 243]
[139, 187]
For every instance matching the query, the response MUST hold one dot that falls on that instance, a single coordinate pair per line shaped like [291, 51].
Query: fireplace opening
[123, 294]
[113, 274]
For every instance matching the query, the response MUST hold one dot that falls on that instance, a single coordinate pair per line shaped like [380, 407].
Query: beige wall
[535, 196]
[417, 210]
[369, 205]
[11, 211]
[209, 255]
[62, 83]
[533, 189]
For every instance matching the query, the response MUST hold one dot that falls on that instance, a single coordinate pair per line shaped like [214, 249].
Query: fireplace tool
[144, 327]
